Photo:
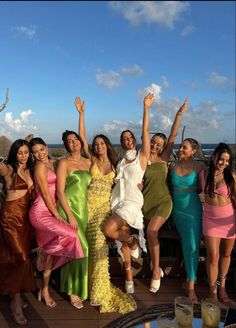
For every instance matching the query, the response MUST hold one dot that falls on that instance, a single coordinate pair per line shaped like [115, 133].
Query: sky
[111, 54]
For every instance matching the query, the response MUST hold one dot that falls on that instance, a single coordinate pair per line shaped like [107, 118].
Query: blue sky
[111, 53]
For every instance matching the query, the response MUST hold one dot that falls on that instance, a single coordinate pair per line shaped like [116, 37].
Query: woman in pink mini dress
[219, 187]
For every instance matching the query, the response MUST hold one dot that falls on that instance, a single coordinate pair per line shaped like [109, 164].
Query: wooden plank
[64, 315]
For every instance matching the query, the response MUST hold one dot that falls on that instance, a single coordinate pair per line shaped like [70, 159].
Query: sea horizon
[207, 148]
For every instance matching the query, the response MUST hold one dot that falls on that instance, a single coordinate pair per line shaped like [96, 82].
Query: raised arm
[174, 131]
[40, 175]
[145, 149]
[80, 106]
[61, 182]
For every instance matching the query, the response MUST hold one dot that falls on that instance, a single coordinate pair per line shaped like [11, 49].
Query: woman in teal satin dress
[187, 208]
[73, 179]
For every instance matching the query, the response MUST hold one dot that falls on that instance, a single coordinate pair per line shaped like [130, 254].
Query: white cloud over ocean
[204, 121]
[14, 128]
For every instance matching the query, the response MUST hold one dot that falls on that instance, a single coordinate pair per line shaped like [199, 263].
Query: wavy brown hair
[228, 176]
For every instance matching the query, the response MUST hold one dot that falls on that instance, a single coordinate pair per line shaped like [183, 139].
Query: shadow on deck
[64, 315]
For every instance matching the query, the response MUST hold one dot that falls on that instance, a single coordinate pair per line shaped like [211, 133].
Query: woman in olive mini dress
[157, 199]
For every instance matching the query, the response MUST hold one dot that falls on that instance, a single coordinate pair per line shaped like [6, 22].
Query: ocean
[206, 148]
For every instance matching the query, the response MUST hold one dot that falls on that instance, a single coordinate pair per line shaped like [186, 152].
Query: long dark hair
[37, 141]
[228, 176]
[121, 137]
[12, 157]
[64, 139]
[110, 150]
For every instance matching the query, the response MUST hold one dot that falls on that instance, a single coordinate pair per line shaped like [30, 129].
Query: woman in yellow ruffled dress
[102, 293]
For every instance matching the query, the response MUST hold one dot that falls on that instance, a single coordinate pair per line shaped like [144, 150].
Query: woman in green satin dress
[73, 179]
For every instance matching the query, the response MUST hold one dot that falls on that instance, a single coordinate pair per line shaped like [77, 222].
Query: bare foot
[192, 295]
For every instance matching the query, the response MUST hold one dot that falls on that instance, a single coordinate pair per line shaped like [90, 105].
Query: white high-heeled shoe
[156, 283]
[129, 287]
[129, 284]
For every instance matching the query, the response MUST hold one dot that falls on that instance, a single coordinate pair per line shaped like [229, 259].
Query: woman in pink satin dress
[57, 240]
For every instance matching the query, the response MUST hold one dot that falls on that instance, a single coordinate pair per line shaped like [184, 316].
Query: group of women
[75, 204]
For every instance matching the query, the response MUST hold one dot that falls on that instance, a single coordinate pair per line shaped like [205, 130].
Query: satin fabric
[57, 240]
[74, 275]
[16, 273]
[187, 215]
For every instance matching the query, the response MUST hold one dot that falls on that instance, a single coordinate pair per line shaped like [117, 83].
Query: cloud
[62, 51]
[192, 84]
[110, 79]
[218, 80]
[205, 121]
[153, 88]
[17, 127]
[164, 13]
[165, 82]
[25, 115]
[135, 70]
[187, 30]
[28, 32]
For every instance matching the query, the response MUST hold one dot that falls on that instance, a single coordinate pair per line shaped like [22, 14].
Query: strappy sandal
[192, 296]
[50, 303]
[19, 318]
[95, 303]
[223, 296]
[77, 303]
[213, 292]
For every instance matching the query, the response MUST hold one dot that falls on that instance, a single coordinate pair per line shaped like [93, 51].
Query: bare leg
[191, 292]
[116, 228]
[154, 226]
[127, 262]
[213, 246]
[226, 247]
[44, 292]
[17, 311]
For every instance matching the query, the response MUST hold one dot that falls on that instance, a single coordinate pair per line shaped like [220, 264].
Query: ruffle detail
[101, 290]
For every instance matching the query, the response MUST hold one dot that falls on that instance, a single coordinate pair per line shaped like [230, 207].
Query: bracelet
[179, 114]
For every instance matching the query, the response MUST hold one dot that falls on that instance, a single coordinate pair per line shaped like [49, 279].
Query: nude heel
[51, 304]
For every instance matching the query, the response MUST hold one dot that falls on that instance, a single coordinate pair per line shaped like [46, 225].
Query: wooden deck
[64, 315]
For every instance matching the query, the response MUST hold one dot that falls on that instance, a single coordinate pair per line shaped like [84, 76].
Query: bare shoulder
[172, 165]
[87, 162]
[200, 166]
[62, 162]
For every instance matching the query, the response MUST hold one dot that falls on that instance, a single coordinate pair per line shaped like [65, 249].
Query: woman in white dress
[127, 198]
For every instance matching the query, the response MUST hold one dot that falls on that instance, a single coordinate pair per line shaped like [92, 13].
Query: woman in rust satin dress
[16, 273]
